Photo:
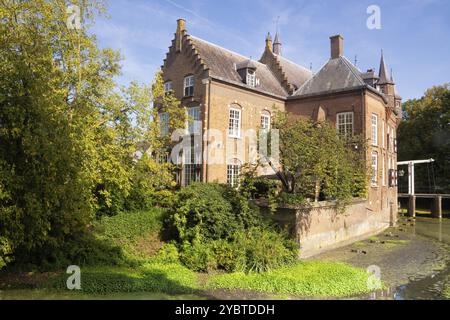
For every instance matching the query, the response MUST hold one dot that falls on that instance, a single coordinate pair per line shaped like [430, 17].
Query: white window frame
[233, 172]
[234, 123]
[265, 121]
[374, 169]
[341, 122]
[251, 78]
[374, 123]
[164, 123]
[168, 86]
[193, 124]
[188, 86]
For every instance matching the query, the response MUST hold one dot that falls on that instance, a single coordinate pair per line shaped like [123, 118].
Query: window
[194, 121]
[168, 86]
[265, 122]
[383, 173]
[233, 172]
[251, 78]
[344, 123]
[189, 174]
[388, 138]
[383, 138]
[189, 86]
[164, 122]
[374, 166]
[234, 126]
[374, 129]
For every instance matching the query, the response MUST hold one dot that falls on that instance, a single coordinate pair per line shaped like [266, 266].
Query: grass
[395, 243]
[306, 279]
[151, 277]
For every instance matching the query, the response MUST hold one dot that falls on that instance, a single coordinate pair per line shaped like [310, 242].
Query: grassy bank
[306, 279]
[147, 269]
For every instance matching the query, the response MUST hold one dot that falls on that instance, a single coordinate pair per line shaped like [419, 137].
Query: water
[429, 287]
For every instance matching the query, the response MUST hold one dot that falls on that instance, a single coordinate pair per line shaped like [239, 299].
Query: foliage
[136, 233]
[68, 133]
[263, 249]
[151, 185]
[424, 133]
[151, 277]
[306, 279]
[318, 163]
[167, 254]
[205, 211]
[216, 228]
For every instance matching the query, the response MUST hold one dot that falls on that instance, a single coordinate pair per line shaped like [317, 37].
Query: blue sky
[415, 34]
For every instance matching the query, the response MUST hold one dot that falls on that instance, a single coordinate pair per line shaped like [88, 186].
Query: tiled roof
[337, 74]
[222, 64]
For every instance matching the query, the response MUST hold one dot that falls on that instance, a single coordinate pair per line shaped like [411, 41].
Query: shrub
[210, 212]
[265, 249]
[168, 254]
[198, 256]
[217, 228]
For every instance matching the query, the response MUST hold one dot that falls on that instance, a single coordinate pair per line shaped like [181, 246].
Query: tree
[318, 163]
[425, 133]
[59, 126]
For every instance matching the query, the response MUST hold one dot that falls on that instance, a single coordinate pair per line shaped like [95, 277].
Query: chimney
[337, 46]
[181, 29]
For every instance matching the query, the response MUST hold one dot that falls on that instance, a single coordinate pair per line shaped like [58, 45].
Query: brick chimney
[337, 46]
[181, 29]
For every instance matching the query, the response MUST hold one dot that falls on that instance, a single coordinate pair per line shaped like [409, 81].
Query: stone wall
[322, 226]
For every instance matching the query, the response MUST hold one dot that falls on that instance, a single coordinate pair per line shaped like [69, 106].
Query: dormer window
[251, 78]
[247, 71]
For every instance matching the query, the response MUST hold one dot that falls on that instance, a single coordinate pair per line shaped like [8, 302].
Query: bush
[210, 212]
[217, 228]
[168, 254]
[265, 249]
[198, 256]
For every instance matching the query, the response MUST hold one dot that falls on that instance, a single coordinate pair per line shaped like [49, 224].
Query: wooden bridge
[436, 204]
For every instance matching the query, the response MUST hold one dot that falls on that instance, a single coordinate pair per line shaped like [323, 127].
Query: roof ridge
[351, 68]
[295, 63]
[223, 48]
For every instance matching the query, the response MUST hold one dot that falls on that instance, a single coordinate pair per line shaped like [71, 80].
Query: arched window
[233, 172]
[265, 120]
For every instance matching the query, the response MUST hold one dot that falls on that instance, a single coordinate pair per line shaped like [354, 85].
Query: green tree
[318, 163]
[425, 133]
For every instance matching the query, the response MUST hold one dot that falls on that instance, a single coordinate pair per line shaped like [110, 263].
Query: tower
[277, 44]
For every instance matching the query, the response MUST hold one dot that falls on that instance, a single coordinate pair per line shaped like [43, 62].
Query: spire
[383, 75]
[392, 76]
[277, 44]
[269, 45]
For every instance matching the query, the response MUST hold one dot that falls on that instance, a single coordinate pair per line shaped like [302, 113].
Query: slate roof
[337, 74]
[222, 64]
[296, 74]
